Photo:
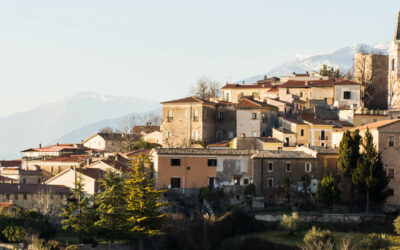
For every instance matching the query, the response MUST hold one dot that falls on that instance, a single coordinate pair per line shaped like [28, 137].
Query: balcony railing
[323, 138]
[170, 119]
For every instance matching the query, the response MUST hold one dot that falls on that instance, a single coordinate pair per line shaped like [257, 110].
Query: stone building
[371, 70]
[255, 119]
[394, 72]
[109, 142]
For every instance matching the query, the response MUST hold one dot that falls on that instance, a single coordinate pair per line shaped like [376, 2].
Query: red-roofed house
[234, 92]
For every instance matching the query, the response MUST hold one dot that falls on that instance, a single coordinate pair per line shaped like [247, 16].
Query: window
[308, 167]
[230, 134]
[246, 181]
[220, 116]
[391, 173]
[169, 117]
[254, 116]
[301, 94]
[322, 144]
[24, 181]
[254, 134]
[175, 182]
[322, 134]
[196, 115]
[237, 166]
[228, 97]
[270, 182]
[393, 64]
[196, 135]
[236, 180]
[391, 141]
[25, 197]
[288, 167]
[212, 162]
[346, 95]
[390, 192]
[175, 162]
[7, 196]
[302, 132]
[219, 135]
[38, 181]
[287, 91]
[169, 133]
[270, 167]
[212, 181]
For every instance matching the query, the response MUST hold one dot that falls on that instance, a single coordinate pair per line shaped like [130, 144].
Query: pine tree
[78, 213]
[143, 199]
[329, 192]
[370, 177]
[330, 71]
[112, 206]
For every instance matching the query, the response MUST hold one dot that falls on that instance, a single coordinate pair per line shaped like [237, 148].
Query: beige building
[336, 92]
[39, 197]
[255, 119]
[184, 168]
[394, 71]
[52, 151]
[372, 70]
[90, 177]
[108, 142]
[362, 116]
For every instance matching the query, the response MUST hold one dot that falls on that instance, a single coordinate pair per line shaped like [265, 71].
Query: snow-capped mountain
[341, 58]
[53, 120]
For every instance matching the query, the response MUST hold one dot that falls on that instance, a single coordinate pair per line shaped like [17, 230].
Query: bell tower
[394, 70]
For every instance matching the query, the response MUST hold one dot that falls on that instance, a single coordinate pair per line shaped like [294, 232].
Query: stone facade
[394, 71]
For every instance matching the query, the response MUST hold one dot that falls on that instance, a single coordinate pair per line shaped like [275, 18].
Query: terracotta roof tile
[188, 100]
[13, 163]
[69, 158]
[247, 86]
[317, 83]
[249, 103]
[378, 124]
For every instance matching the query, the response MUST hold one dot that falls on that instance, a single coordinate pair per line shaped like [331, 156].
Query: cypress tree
[112, 206]
[370, 177]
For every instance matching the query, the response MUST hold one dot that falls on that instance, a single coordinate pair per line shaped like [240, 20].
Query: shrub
[15, 234]
[396, 225]
[318, 239]
[374, 241]
[290, 224]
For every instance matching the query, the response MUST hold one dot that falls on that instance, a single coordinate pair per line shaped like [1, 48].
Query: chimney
[265, 77]
[58, 144]
[294, 73]
[306, 82]
[315, 112]
[40, 145]
[243, 135]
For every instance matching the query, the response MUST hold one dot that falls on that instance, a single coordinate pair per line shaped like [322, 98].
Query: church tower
[394, 70]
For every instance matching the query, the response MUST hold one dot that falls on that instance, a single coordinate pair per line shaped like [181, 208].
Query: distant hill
[85, 132]
[341, 58]
[54, 120]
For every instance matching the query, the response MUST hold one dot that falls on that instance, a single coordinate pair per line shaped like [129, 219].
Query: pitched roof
[69, 158]
[201, 151]
[116, 164]
[274, 89]
[54, 148]
[250, 103]
[293, 120]
[374, 125]
[9, 164]
[317, 83]
[260, 85]
[94, 173]
[220, 144]
[270, 140]
[32, 188]
[190, 99]
[283, 154]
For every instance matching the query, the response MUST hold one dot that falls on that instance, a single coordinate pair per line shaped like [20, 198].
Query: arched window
[393, 64]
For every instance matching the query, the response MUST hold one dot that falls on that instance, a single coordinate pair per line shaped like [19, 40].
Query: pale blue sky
[157, 49]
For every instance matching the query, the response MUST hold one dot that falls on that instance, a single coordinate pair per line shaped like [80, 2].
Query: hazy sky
[157, 49]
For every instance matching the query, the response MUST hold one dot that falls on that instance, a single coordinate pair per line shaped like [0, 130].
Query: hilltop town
[272, 145]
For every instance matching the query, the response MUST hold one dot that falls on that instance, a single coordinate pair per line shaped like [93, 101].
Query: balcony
[170, 119]
[323, 138]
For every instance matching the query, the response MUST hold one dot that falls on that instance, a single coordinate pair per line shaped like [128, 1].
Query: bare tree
[45, 203]
[206, 89]
[393, 91]
[151, 119]
[107, 130]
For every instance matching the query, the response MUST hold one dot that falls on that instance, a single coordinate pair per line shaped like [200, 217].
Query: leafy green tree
[370, 177]
[79, 214]
[143, 200]
[112, 206]
[331, 72]
[329, 192]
